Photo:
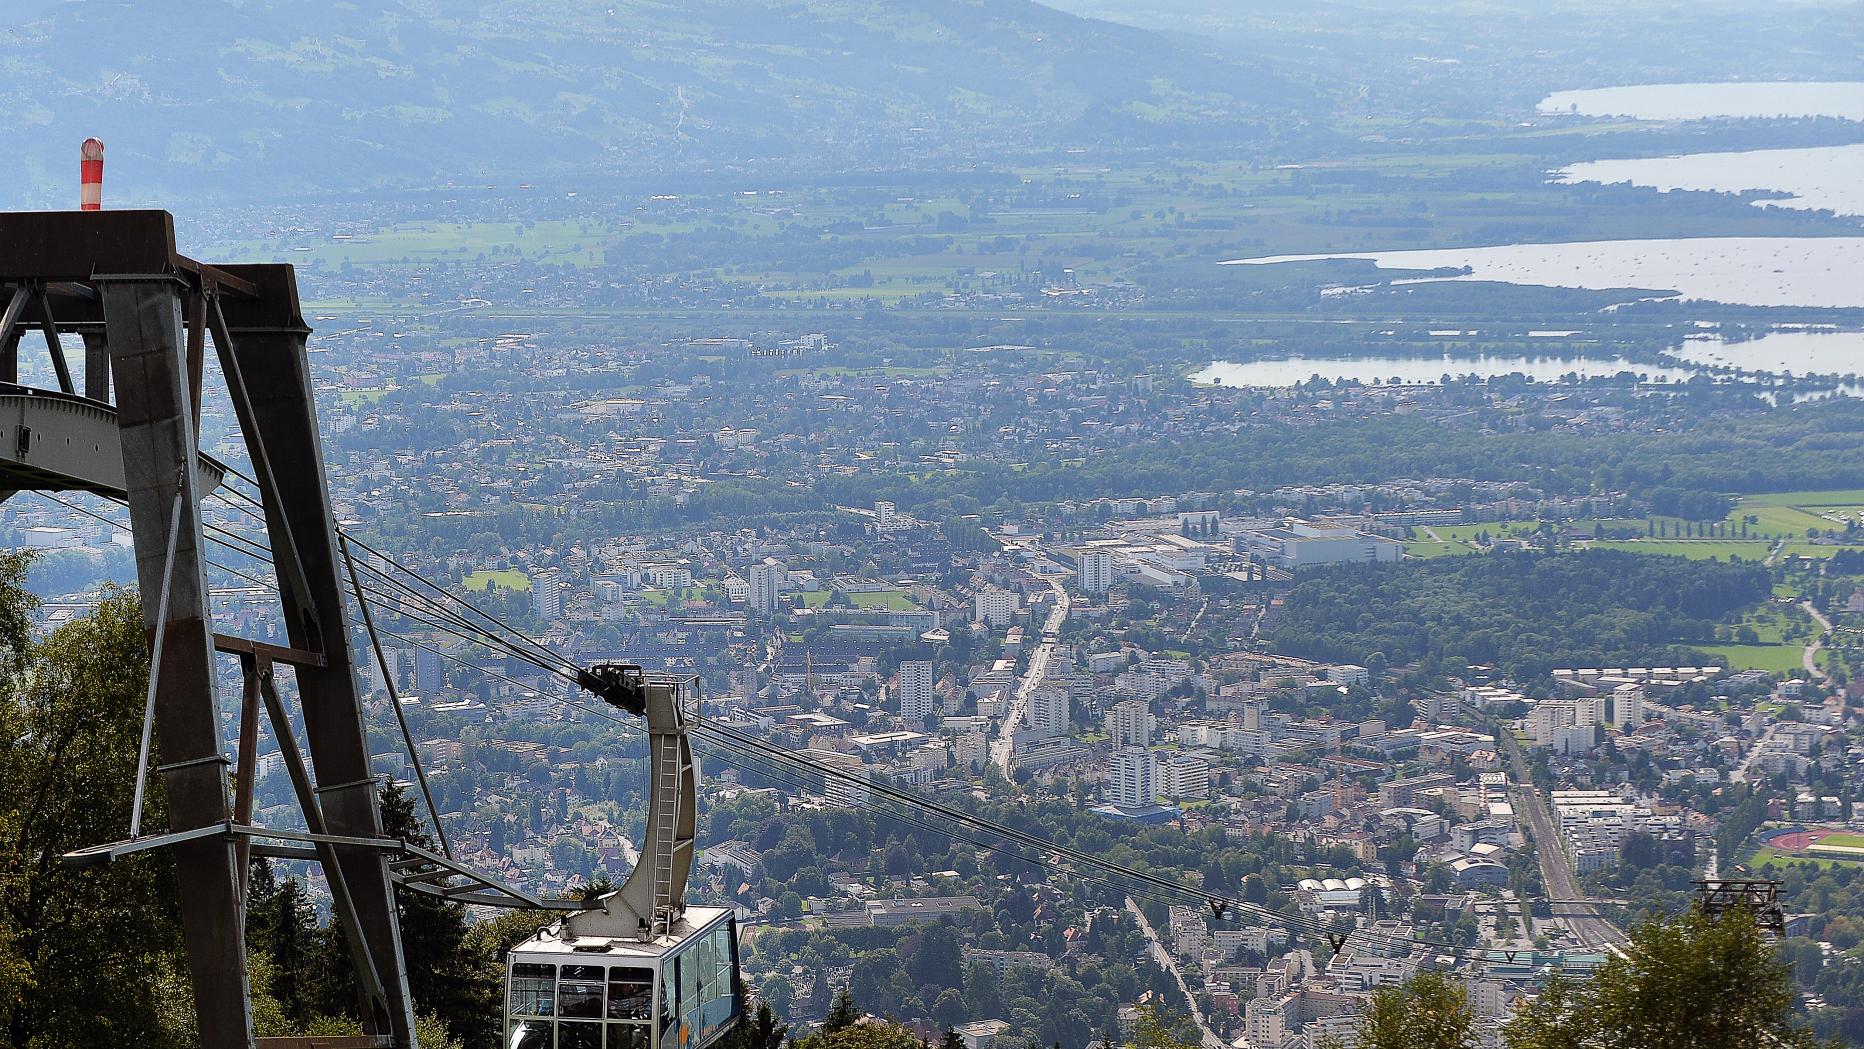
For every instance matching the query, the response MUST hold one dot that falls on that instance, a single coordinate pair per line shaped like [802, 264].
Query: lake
[1755, 271]
[1800, 351]
[1819, 177]
[1292, 370]
[1842, 99]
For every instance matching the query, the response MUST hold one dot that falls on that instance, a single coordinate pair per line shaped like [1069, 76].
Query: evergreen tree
[842, 1014]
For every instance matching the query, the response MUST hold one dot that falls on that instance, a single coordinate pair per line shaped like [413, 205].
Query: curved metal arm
[652, 901]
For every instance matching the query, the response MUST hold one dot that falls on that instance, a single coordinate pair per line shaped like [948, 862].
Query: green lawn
[1694, 549]
[1425, 548]
[1776, 659]
[1850, 841]
[1790, 514]
[505, 579]
[1764, 858]
[890, 600]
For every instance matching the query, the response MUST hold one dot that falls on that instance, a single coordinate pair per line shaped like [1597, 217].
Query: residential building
[996, 606]
[1095, 571]
[1130, 724]
[763, 585]
[1132, 778]
[915, 689]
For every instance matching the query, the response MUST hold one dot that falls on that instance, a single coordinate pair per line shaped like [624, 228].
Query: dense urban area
[971, 476]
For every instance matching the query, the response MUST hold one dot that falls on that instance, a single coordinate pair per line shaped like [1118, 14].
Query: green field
[1775, 659]
[890, 600]
[1763, 858]
[1849, 841]
[1694, 549]
[1426, 548]
[1789, 515]
[503, 579]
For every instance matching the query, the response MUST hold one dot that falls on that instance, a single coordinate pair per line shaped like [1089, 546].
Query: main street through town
[1161, 953]
[1556, 873]
[1002, 750]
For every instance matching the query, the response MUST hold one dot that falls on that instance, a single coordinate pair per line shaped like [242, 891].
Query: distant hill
[265, 97]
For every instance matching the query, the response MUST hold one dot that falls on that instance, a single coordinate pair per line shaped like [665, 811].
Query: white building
[1048, 712]
[915, 689]
[1130, 724]
[546, 596]
[1627, 706]
[997, 606]
[1183, 776]
[763, 586]
[1300, 544]
[887, 516]
[1133, 778]
[1095, 569]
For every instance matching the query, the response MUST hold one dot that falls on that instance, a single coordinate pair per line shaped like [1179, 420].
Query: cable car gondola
[639, 969]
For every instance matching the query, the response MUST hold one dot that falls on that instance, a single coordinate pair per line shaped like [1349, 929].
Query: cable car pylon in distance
[638, 969]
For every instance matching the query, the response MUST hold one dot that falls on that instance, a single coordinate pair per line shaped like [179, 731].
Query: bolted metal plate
[60, 442]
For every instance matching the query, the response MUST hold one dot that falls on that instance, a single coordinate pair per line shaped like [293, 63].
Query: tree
[281, 925]
[950, 1010]
[761, 1030]
[447, 977]
[952, 1040]
[1154, 1030]
[842, 1014]
[71, 709]
[862, 1036]
[1688, 982]
[1428, 1011]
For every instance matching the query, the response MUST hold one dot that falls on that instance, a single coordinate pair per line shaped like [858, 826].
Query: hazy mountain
[266, 95]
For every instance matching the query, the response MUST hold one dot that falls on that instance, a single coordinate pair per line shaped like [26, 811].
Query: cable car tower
[639, 969]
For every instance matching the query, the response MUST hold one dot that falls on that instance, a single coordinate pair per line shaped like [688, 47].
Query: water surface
[1842, 99]
[1412, 370]
[1820, 177]
[1754, 271]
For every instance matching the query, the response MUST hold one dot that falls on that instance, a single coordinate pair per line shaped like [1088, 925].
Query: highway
[1557, 880]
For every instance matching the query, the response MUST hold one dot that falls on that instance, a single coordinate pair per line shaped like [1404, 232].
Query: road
[1556, 874]
[1163, 956]
[1811, 656]
[1001, 754]
[1740, 774]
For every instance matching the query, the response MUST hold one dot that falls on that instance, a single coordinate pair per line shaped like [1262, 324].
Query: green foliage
[70, 722]
[870, 1035]
[1428, 1011]
[1526, 613]
[1690, 982]
[763, 1029]
[842, 1014]
[1155, 1030]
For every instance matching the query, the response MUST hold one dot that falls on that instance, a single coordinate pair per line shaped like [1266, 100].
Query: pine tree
[842, 1014]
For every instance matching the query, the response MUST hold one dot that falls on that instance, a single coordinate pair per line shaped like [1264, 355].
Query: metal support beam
[267, 350]
[248, 762]
[96, 366]
[342, 902]
[159, 452]
[57, 349]
[9, 332]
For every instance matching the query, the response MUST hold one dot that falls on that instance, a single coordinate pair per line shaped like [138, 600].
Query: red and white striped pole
[91, 175]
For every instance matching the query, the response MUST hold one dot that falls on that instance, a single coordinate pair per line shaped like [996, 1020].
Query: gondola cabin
[637, 968]
[677, 991]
